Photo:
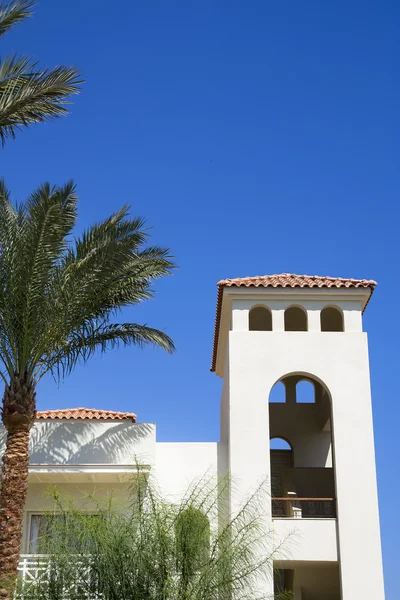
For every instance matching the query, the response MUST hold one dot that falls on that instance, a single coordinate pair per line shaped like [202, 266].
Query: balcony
[35, 568]
[292, 507]
[31, 568]
[301, 492]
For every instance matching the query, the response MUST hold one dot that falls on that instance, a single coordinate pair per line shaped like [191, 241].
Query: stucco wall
[306, 539]
[88, 442]
[340, 360]
[179, 465]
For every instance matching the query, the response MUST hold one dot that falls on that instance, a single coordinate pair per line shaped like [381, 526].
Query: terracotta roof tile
[85, 413]
[291, 280]
[283, 280]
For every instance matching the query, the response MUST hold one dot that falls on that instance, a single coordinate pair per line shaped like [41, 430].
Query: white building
[282, 331]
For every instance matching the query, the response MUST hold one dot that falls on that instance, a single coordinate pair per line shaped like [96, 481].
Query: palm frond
[107, 269]
[31, 242]
[29, 95]
[9, 268]
[14, 12]
[88, 339]
[52, 215]
[58, 295]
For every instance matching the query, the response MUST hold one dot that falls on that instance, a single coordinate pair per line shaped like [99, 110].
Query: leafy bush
[156, 549]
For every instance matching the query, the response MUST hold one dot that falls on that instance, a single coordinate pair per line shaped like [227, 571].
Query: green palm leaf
[29, 94]
[13, 13]
[58, 295]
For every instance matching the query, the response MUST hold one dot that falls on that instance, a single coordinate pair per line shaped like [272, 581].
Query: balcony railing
[303, 508]
[32, 567]
[35, 569]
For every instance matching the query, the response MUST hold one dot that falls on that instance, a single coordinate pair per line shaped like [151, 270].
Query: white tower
[285, 330]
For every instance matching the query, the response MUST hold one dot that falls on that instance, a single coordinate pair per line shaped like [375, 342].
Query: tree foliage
[153, 549]
[28, 93]
[58, 294]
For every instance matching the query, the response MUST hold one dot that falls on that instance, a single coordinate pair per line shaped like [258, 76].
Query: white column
[356, 489]
[314, 320]
[278, 319]
[249, 433]
[352, 320]
[240, 316]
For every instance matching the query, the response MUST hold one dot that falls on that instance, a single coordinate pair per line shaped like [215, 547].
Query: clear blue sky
[256, 137]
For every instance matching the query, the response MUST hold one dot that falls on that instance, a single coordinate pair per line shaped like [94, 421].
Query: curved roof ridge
[295, 280]
[85, 414]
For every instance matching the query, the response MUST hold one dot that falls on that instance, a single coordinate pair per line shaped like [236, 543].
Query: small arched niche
[295, 319]
[260, 319]
[331, 319]
[305, 392]
[278, 393]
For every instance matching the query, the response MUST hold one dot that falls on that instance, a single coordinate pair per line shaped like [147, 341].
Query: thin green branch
[157, 550]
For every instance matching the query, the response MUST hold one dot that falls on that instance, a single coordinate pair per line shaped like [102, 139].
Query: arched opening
[278, 443]
[260, 319]
[278, 393]
[281, 454]
[295, 319]
[301, 450]
[331, 319]
[192, 536]
[305, 392]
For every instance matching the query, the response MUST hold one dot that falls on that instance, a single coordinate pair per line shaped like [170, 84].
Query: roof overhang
[84, 473]
[226, 293]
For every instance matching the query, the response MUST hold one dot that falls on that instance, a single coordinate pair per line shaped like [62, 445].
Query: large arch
[307, 488]
[307, 375]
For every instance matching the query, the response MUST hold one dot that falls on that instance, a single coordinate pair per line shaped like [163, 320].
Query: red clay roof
[282, 280]
[85, 413]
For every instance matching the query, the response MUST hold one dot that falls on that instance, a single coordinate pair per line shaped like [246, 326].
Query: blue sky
[256, 137]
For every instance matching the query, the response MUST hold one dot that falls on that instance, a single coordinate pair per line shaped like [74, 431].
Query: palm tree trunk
[18, 416]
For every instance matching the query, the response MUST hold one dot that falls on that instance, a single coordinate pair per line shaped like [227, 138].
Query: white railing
[303, 508]
[31, 567]
[35, 568]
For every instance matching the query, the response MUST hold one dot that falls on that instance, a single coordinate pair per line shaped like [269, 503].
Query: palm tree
[29, 94]
[57, 300]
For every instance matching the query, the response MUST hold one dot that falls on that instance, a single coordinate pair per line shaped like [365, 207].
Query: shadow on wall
[73, 442]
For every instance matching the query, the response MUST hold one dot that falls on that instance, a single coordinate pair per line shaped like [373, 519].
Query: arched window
[307, 471]
[278, 393]
[331, 319]
[305, 392]
[192, 535]
[281, 456]
[295, 319]
[260, 319]
[278, 443]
